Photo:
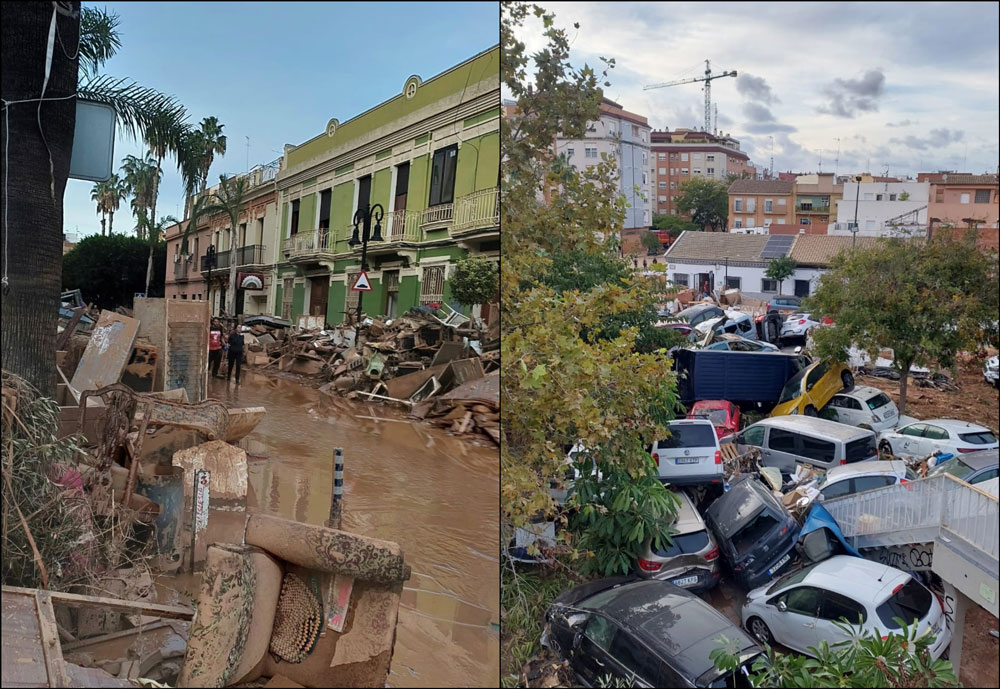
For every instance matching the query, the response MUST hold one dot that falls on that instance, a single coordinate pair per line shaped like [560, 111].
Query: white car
[735, 322]
[936, 435]
[861, 476]
[798, 325]
[991, 370]
[862, 406]
[798, 609]
[690, 455]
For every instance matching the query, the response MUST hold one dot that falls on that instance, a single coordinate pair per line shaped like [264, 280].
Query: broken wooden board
[152, 316]
[402, 387]
[185, 355]
[485, 389]
[76, 600]
[107, 353]
[32, 656]
[450, 351]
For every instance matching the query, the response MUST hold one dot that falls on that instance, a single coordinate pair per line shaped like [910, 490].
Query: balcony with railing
[476, 211]
[811, 208]
[180, 268]
[308, 243]
[251, 255]
[437, 217]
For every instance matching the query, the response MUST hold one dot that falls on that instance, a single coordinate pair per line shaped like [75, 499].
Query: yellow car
[810, 389]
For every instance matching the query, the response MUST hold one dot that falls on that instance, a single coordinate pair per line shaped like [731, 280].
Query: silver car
[691, 561]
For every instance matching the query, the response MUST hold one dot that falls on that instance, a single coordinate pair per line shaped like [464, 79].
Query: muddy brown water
[433, 494]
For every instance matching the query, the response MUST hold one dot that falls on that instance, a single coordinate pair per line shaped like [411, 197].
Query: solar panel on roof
[777, 245]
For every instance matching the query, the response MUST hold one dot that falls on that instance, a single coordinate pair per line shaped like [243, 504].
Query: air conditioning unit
[190, 257]
[177, 258]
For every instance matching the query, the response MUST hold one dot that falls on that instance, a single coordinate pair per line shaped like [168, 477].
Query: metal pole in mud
[337, 504]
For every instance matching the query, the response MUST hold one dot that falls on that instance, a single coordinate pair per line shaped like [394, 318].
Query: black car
[649, 633]
[754, 530]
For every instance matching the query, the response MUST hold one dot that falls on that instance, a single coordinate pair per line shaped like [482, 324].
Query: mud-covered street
[433, 494]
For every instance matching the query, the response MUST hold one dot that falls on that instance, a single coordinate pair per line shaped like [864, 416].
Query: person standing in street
[215, 347]
[235, 357]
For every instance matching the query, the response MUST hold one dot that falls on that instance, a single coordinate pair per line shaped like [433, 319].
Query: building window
[663, 199]
[684, 157]
[673, 156]
[661, 156]
[696, 156]
[982, 195]
[324, 211]
[892, 197]
[681, 279]
[443, 176]
[733, 282]
[569, 152]
[781, 202]
[644, 178]
[673, 185]
[805, 221]
[738, 223]
[590, 152]
[738, 205]
[869, 225]
[673, 211]
[868, 197]
[644, 158]
[768, 206]
[768, 285]
[767, 222]
[878, 197]
[287, 292]
[663, 185]
[697, 171]
[710, 157]
[294, 225]
[432, 284]
[751, 204]
[684, 171]
[781, 221]
[635, 131]
[663, 170]
[711, 170]
[351, 303]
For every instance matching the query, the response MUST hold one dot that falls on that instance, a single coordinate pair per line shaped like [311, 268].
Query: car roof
[855, 577]
[689, 422]
[862, 392]
[955, 425]
[731, 509]
[674, 621]
[811, 424]
[896, 467]
[696, 309]
[688, 519]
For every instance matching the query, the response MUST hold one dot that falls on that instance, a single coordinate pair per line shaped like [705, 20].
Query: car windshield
[793, 388]
[716, 416]
[685, 544]
[909, 601]
[956, 468]
[878, 401]
[791, 578]
[753, 532]
[694, 435]
[980, 438]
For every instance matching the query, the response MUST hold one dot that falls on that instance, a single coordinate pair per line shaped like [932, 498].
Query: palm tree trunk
[102, 223]
[111, 223]
[34, 195]
[231, 295]
[149, 268]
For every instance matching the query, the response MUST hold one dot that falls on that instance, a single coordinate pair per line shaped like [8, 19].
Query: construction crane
[708, 93]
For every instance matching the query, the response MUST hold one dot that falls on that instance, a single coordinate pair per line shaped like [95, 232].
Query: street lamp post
[210, 263]
[854, 230]
[364, 217]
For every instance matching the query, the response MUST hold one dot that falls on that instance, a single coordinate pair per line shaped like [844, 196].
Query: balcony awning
[250, 281]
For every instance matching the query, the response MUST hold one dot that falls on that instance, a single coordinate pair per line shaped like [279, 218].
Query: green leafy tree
[902, 659]
[230, 199]
[108, 196]
[140, 179]
[673, 224]
[651, 241]
[781, 269]
[925, 301]
[706, 201]
[562, 381]
[475, 281]
[213, 142]
[110, 270]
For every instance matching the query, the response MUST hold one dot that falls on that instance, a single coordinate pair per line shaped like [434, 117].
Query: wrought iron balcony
[440, 216]
[250, 255]
[478, 210]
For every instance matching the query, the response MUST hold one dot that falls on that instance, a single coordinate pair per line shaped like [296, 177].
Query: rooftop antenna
[836, 163]
[770, 170]
[248, 153]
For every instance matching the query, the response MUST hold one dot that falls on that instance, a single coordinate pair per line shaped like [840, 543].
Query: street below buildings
[433, 494]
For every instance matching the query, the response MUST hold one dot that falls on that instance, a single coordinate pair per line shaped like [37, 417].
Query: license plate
[685, 581]
[889, 414]
[688, 460]
[780, 564]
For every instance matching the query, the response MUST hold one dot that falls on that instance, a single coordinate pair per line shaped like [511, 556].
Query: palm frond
[136, 106]
[99, 40]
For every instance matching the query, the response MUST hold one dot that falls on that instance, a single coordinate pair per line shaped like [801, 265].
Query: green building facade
[430, 157]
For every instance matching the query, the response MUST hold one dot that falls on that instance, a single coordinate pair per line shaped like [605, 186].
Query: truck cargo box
[739, 377]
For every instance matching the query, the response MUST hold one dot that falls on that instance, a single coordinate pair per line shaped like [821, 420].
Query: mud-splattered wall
[185, 361]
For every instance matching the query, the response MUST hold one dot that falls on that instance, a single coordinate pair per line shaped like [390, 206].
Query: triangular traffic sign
[362, 284]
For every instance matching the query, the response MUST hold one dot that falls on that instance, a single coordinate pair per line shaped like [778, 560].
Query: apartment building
[962, 200]
[761, 203]
[882, 209]
[430, 158]
[625, 136]
[816, 197]
[684, 154]
[194, 273]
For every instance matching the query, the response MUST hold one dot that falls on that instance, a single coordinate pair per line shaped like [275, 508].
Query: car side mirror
[798, 350]
[781, 606]
[577, 640]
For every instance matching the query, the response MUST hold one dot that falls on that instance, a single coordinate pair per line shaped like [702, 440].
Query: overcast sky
[276, 72]
[905, 86]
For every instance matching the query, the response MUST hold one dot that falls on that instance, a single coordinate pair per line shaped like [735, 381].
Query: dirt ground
[976, 401]
[980, 664]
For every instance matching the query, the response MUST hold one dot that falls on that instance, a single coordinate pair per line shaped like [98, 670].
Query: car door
[795, 626]
[591, 659]
[634, 662]
[833, 607]
[836, 410]
[910, 439]
[753, 436]
[783, 449]
[816, 389]
[935, 438]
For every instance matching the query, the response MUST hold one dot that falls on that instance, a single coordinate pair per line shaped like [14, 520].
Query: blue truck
[743, 378]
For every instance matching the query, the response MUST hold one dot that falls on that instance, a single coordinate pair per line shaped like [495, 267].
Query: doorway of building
[390, 279]
[801, 288]
[319, 293]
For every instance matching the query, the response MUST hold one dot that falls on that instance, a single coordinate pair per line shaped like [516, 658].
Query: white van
[785, 440]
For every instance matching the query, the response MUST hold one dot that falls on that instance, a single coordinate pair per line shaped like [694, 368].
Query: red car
[725, 416]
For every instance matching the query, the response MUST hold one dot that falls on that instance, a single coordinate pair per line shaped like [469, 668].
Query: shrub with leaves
[780, 269]
[475, 281]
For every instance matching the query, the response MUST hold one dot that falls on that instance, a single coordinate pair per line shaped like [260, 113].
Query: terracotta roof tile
[761, 186]
[819, 250]
[717, 245]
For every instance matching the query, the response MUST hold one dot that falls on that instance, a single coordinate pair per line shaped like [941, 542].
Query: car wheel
[866, 427]
[885, 448]
[758, 628]
[848, 379]
[810, 411]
